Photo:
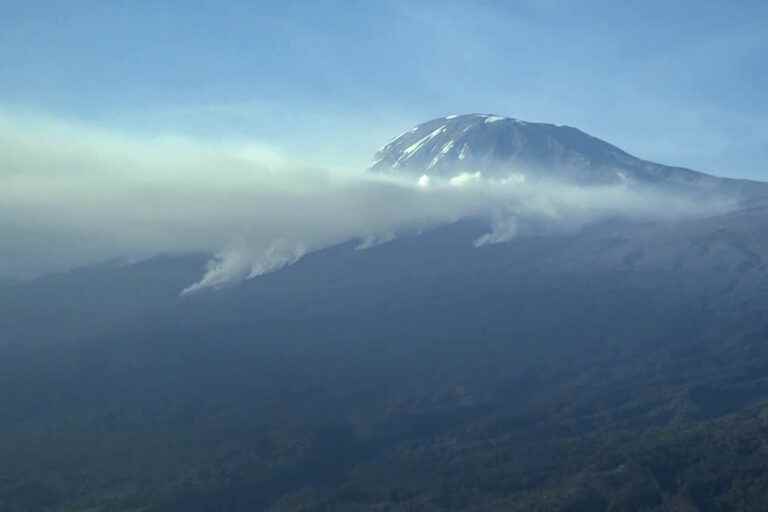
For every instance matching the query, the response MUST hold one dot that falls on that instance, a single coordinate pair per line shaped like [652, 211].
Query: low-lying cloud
[72, 195]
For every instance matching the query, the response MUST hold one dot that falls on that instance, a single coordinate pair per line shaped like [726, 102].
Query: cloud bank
[72, 195]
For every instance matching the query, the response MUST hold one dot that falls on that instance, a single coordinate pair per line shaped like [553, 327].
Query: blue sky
[677, 82]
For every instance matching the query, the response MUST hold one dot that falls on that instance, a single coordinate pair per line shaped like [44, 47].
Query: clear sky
[677, 82]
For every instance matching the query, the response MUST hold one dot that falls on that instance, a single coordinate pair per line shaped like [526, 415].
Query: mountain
[498, 146]
[619, 367]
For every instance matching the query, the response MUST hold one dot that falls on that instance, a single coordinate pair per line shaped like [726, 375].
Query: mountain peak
[498, 146]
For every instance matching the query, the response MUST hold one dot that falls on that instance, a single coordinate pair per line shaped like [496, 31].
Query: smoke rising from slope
[72, 195]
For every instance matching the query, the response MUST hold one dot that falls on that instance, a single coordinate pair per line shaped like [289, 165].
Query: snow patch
[404, 134]
[494, 119]
[443, 151]
[413, 148]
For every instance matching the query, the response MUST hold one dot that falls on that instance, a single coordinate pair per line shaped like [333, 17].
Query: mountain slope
[420, 374]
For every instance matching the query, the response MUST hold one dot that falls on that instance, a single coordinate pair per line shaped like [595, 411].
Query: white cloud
[72, 195]
[465, 178]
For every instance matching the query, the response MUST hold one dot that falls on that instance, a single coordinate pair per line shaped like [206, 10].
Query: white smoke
[72, 195]
[236, 264]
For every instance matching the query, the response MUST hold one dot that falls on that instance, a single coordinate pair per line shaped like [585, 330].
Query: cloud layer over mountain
[72, 195]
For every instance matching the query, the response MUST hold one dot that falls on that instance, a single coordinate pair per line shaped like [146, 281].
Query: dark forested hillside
[624, 367]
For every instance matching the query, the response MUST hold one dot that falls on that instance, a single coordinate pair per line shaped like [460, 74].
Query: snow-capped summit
[498, 146]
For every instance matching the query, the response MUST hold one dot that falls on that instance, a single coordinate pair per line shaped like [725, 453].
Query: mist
[72, 195]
